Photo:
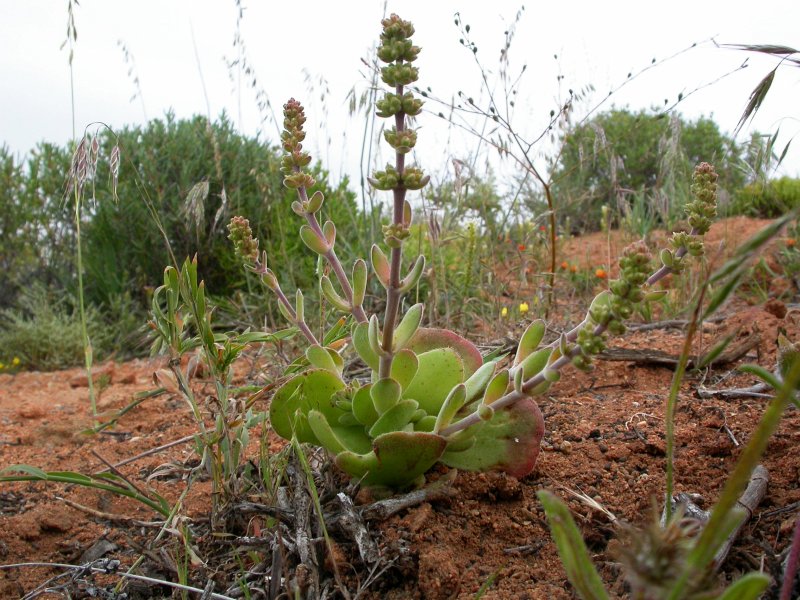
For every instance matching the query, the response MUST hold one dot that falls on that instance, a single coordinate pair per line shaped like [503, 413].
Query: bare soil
[604, 439]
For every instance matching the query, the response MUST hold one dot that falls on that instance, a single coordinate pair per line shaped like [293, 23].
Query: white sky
[596, 42]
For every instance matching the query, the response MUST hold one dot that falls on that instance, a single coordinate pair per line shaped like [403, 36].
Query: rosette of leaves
[389, 431]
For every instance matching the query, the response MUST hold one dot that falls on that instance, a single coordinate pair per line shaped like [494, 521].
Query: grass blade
[574, 555]
[747, 587]
[706, 547]
[34, 474]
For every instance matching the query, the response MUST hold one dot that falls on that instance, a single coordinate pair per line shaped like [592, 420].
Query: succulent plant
[430, 396]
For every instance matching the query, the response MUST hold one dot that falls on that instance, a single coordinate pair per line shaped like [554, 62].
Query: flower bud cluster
[399, 74]
[245, 246]
[295, 160]
[627, 290]
[683, 239]
[590, 342]
[395, 234]
[392, 104]
[397, 50]
[703, 209]
[402, 141]
[412, 178]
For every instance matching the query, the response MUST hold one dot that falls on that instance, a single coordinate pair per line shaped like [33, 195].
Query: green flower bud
[385, 180]
[395, 28]
[401, 141]
[414, 178]
[411, 105]
[390, 105]
[616, 327]
[399, 74]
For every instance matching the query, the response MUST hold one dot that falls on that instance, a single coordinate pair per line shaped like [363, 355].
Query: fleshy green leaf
[311, 390]
[394, 419]
[431, 338]
[385, 394]
[510, 441]
[530, 340]
[404, 367]
[380, 264]
[319, 357]
[451, 405]
[497, 387]
[478, 381]
[535, 362]
[361, 343]
[439, 371]
[397, 461]
[363, 407]
[407, 327]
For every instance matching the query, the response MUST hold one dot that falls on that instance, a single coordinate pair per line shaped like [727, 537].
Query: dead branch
[383, 509]
[653, 357]
[749, 500]
[353, 524]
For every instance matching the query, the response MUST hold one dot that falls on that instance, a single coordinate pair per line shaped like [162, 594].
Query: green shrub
[45, 332]
[193, 174]
[766, 200]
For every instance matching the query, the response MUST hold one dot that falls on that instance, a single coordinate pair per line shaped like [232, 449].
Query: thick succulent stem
[657, 276]
[333, 260]
[393, 293]
[300, 324]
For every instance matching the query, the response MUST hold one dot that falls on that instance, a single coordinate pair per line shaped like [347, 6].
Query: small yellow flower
[15, 361]
[2, 366]
[504, 312]
[523, 308]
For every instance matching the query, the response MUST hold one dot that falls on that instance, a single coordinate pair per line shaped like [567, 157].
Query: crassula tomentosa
[431, 397]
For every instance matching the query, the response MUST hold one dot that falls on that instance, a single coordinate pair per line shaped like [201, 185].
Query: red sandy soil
[605, 439]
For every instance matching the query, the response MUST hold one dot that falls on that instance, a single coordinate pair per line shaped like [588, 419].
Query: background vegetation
[194, 175]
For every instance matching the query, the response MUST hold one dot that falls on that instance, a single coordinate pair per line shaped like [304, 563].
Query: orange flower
[521, 247]
[573, 268]
[791, 242]
[600, 274]
[565, 265]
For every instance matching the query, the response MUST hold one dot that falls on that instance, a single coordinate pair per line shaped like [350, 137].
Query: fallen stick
[650, 356]
[112, 517]
[383, 509]
[749, 500]
[351, 522]
[147, 453]
[760, 390]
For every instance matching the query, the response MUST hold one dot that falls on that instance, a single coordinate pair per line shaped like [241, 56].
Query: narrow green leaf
[581, 572]
[718, 348]
[763, 374]
[747, 587]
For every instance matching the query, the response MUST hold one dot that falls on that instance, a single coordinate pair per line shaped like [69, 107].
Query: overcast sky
[180, 50]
